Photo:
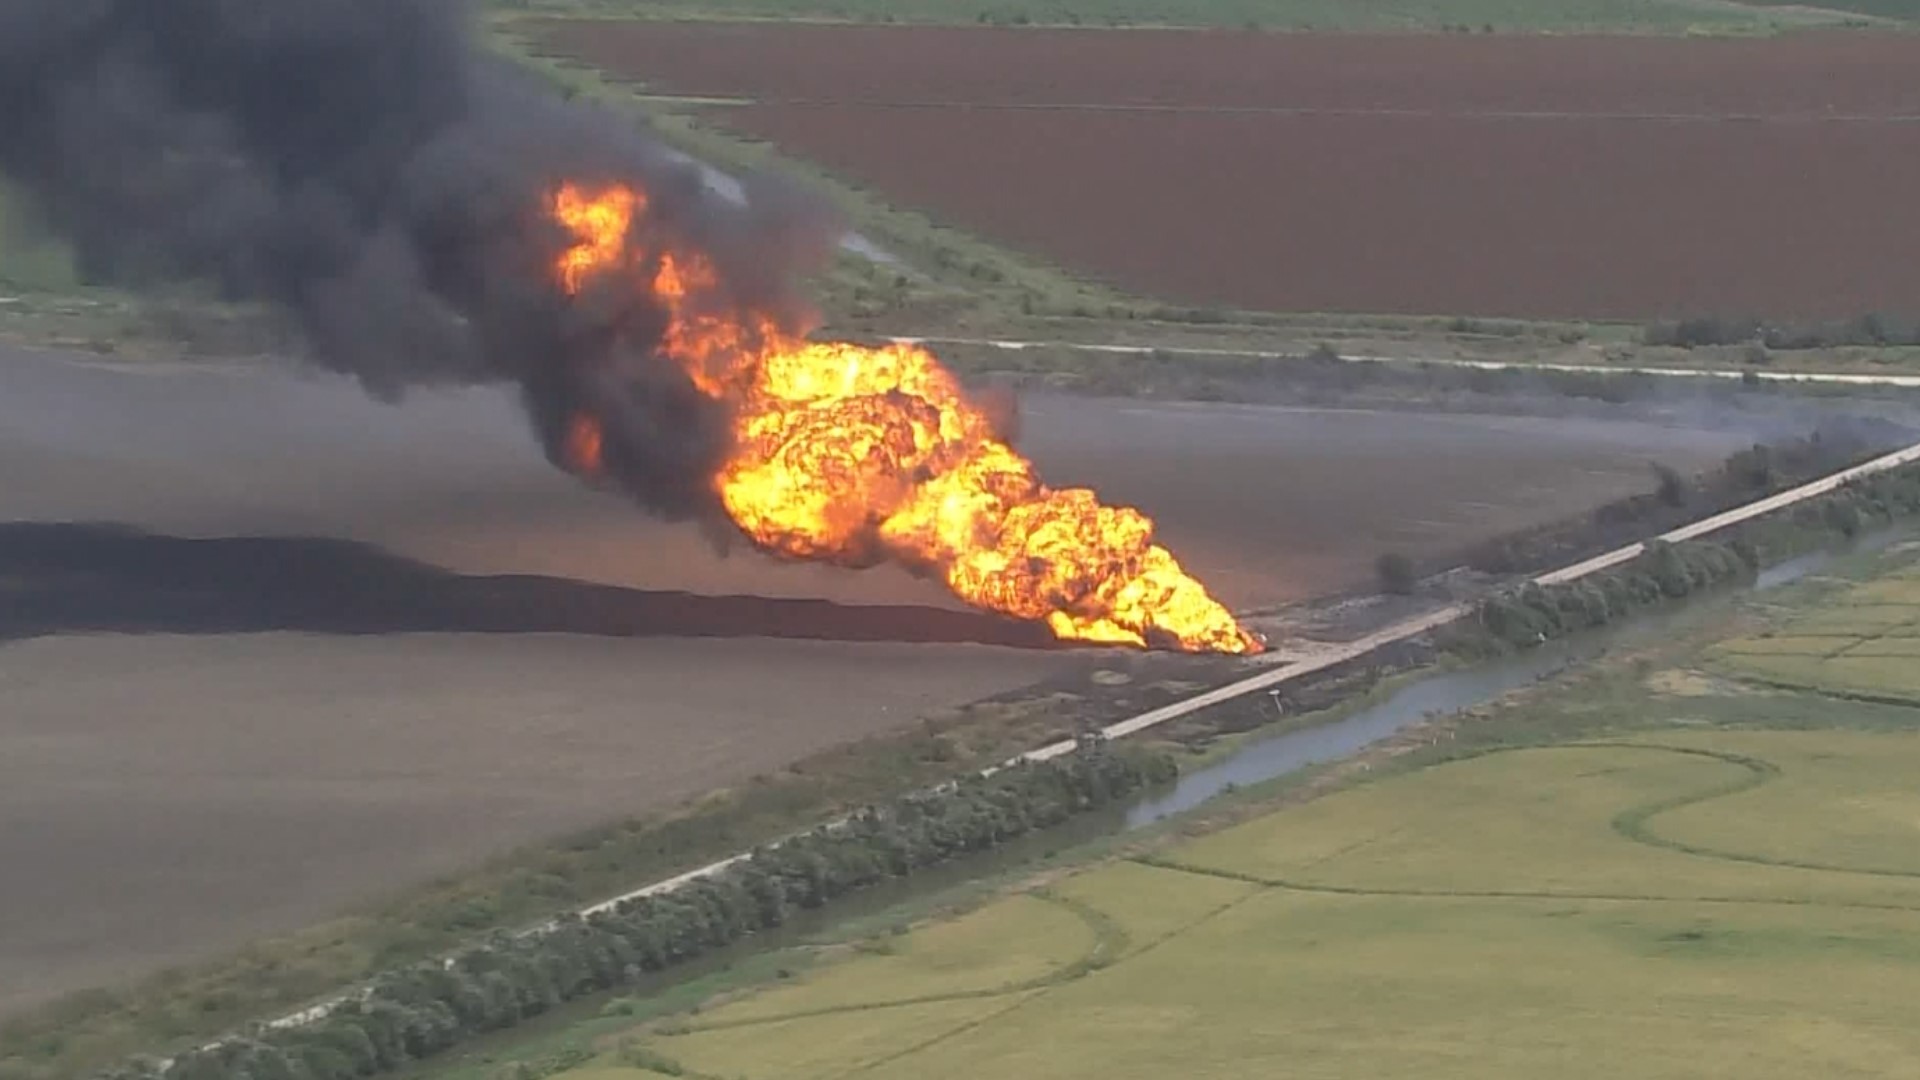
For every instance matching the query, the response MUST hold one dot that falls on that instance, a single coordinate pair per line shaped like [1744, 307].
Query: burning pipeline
[850, 454]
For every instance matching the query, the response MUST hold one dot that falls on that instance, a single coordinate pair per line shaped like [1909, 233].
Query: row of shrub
[1665, 572]
[1873, 330]
[1322, 376]
[1742, 477]
[415, 1012]
[1874, 500]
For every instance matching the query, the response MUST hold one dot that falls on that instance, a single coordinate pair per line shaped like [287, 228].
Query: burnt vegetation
[1396, 573]
[79, 578]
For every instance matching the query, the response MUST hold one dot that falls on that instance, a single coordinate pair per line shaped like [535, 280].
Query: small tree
[1752, 468]
[1673, 489]
[1396, 573]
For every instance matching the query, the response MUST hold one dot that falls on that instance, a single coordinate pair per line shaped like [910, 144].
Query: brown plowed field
[1584, 177]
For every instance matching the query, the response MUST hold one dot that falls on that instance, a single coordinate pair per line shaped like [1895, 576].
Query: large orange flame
[584, 447]
[849, 453]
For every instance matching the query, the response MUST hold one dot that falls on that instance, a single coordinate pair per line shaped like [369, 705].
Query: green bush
[1673, 490]
[1665, 572]
[1662, 573]
[423, 1009]
[1396, 573]
[1874, 329]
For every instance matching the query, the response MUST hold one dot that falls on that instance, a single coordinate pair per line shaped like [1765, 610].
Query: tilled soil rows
[1528, 176]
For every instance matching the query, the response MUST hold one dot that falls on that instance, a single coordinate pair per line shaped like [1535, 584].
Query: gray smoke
[363, 165]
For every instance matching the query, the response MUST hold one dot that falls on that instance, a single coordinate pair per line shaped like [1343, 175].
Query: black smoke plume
[363, 165]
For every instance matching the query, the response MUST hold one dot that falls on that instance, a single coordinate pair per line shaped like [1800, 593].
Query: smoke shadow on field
[83, 577]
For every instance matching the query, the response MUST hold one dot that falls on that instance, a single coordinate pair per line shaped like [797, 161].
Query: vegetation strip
[1657, 371]
[1660, 554]
[418, 1011]
[1679, 563]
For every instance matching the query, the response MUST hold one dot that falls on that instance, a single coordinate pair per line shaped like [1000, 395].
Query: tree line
[1666, 572]
[1874, 329]
[417, 1011]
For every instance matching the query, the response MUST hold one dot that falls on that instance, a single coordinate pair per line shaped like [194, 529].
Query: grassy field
[43, 301]
[1509, 915]
[1655, 868]
[1864, 643]
[1671, 16]
[30, 261]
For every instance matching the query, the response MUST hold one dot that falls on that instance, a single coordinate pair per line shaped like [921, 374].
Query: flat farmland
[1601, 177]
[1863, 643]
[270, 649]
[1587, 910]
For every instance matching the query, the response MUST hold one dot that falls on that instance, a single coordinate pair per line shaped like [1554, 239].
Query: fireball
[848, 453]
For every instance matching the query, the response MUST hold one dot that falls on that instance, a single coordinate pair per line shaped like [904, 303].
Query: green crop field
[1683, 904]
[29, 259]
[1560, 15]
[1864, 642]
